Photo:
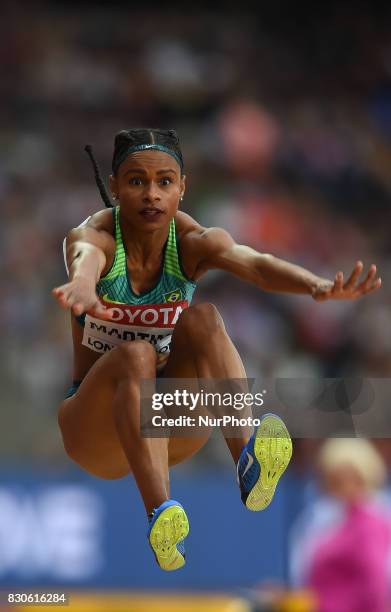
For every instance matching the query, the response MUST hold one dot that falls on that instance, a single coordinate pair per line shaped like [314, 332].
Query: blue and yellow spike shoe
[168, 528]
[263, 461]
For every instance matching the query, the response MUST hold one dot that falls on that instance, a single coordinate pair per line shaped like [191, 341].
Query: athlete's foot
[263, 461]
[168, 528]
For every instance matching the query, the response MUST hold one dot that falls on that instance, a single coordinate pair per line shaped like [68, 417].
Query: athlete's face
[148, 186]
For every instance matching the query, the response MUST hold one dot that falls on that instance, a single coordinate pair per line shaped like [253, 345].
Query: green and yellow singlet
[149, 316]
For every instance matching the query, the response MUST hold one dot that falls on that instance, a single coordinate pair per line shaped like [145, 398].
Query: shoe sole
[273, 450]
[170, 527]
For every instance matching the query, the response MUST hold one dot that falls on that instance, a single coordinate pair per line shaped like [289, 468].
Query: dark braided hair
[137, 139]
[162, 139]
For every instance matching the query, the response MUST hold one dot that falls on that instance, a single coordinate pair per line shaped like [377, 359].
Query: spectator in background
[341, 545]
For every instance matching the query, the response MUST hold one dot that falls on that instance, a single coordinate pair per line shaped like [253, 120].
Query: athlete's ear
[113, 186]
[183, 186]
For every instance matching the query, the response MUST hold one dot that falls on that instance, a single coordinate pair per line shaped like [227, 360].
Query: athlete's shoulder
[185, 224]
[193, 233]
[197, 243]
[102, 221]
[97, 229]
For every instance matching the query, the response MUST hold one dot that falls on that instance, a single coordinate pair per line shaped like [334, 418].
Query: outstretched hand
[79, 297]
[350, 290]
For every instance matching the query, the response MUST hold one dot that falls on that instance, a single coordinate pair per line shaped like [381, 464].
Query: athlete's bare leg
[100, 424]
[201, 348]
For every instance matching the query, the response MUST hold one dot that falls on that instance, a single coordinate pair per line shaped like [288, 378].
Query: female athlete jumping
[141, 261]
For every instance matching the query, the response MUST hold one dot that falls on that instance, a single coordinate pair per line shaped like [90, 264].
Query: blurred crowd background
[285, 126]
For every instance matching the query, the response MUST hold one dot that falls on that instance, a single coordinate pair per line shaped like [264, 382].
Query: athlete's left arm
[216, 249]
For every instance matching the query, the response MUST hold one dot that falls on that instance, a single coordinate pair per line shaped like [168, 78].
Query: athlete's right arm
[86, 250]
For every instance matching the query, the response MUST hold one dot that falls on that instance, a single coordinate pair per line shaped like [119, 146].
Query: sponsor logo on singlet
[153, 323]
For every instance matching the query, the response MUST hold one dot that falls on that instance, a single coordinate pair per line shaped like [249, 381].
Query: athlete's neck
[143, 247]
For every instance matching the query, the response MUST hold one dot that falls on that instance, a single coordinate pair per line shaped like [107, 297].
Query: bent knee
[180, 449]
[202, 321]
[69, 439]
[62, 420]
[70, 445]
[108, 466]
[136, 356]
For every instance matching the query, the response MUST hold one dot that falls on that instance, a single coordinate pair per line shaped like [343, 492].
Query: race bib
[153, 323]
